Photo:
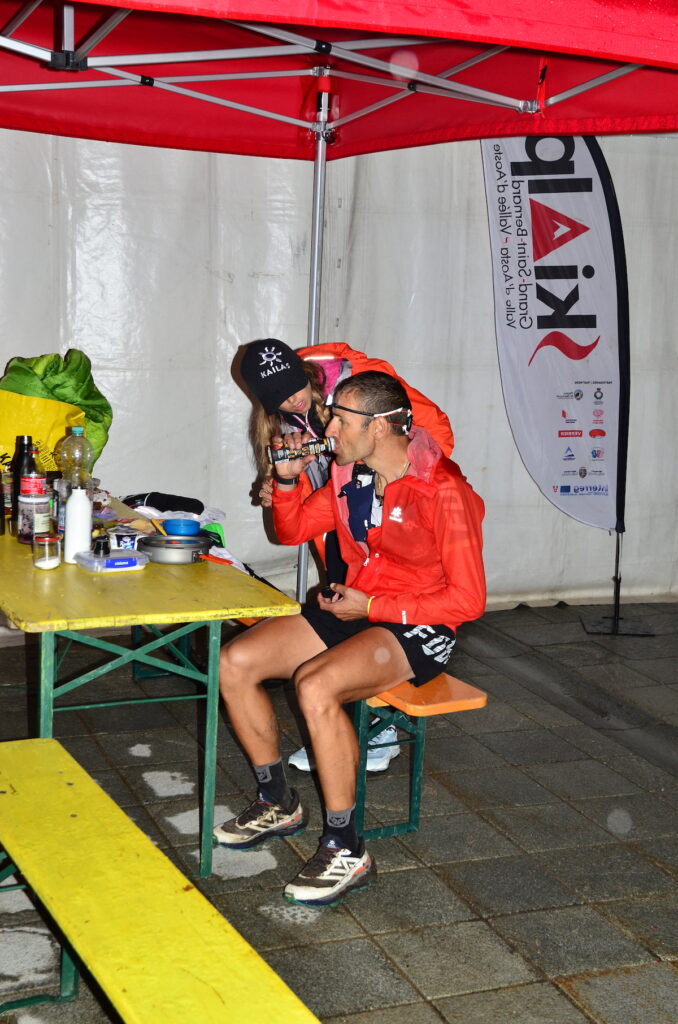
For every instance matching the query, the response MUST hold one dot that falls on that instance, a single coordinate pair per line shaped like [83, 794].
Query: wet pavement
[541, 888]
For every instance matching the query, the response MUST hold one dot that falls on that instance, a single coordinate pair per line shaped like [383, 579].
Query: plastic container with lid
[129, 562]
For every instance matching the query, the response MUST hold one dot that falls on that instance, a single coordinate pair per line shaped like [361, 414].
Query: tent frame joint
[66, 60]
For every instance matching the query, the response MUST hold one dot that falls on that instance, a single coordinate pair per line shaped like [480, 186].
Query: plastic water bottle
[76, 456]
[78, 536]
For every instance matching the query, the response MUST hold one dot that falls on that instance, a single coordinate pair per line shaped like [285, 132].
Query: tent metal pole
[315, 276]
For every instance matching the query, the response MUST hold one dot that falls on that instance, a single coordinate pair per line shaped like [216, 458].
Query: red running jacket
[424, 564]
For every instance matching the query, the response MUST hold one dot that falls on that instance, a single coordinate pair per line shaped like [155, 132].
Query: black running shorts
[427, 648]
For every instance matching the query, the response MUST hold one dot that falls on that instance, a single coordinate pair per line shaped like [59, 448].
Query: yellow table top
[38, 600]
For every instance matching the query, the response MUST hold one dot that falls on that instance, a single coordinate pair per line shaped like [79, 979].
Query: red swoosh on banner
[569, 348]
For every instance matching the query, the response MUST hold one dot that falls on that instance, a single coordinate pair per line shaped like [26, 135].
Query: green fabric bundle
[67, 379]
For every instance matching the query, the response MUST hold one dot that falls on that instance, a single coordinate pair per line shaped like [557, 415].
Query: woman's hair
[263, 426]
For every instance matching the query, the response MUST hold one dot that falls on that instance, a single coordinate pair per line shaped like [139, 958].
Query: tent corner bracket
[66, 60]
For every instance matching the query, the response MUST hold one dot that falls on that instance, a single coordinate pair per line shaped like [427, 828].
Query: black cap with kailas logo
[273, 371]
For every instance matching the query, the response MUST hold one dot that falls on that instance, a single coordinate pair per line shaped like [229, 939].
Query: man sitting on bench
[409, 528]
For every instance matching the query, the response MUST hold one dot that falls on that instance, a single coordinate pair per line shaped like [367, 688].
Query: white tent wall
[159, 264]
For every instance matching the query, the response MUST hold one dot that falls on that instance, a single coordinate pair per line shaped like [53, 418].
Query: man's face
[352, 433]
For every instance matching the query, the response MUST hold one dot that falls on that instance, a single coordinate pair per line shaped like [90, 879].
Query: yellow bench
[158, 949]
[407, 707]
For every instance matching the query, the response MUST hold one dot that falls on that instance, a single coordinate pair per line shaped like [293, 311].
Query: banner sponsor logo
[561, 315]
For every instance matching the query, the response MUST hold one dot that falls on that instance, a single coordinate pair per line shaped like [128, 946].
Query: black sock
[272, 784]
[341, 826]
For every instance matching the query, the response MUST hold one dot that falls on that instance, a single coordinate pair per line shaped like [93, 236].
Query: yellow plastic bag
[44, 419]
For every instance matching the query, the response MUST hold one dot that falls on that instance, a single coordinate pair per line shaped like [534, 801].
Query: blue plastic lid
[77, 430]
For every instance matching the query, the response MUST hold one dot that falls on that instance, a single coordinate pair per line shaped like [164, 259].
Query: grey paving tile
[269, 866]
[408, 899]
[616, 676]
[582, 779]
[89, 1008]
[545, 714]
[388, 798]
[643, 773]
[136, 717]
[167, 782]
[662, 851]
[651, 920]
[545, 633]
[164, 746]
[466, 667]
[12, 694]
[528, 1004]
[662, 670]
[15, 725]
[656, 700]
[267, 921]
[591, 741]
[459, 753]
[453, 959]
[87, 752]
[324, 976]
[496, 716]
[578, 655]
[504, 688]
[640, 648]
[460, 837]
[496, 787]
[112, 783]
[608, 872]
[548, 827]
[412, 1013]
[569, 940]
[506, 885]
[539, 746]
[631, 995]
[632, 817]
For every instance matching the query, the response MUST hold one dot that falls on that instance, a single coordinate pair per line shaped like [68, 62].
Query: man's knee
[237, 665]
[317, 690]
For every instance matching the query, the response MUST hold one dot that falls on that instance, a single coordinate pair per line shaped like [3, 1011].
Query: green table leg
[210, 764]
[47, 681]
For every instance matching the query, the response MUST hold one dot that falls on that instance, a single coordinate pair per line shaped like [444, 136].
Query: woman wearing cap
[293, 390]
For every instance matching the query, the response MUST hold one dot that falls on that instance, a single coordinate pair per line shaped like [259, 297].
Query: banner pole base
[612, 625]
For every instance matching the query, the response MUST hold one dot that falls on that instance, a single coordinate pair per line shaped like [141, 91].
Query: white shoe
[330, 874]
[378, 757]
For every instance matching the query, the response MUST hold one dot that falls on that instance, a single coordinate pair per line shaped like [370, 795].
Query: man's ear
[381, 427]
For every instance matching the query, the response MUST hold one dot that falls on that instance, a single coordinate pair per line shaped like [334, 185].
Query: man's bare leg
[273, 649]
[357, 668]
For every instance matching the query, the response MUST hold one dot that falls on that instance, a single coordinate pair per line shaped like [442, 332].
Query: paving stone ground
[542, 886]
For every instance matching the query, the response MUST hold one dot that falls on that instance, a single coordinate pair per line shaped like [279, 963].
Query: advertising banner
[561, 316]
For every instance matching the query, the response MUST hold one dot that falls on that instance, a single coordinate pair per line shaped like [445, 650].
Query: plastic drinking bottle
[78, 535]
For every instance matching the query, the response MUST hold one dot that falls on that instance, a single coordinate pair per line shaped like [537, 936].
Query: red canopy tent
[322, 79]
[243, 77]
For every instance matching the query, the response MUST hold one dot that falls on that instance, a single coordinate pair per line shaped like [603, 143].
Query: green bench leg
[69, 975]
[415, 728]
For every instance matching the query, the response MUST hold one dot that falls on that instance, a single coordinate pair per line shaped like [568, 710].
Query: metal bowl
[174, 550]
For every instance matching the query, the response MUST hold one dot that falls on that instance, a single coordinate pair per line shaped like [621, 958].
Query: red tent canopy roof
[231, 77]
[641, 31]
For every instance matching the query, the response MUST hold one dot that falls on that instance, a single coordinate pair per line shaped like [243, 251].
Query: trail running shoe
[261, 821]
[330, 874]
[378, 757]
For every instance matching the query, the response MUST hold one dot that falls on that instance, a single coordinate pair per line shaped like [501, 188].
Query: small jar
[46, 551]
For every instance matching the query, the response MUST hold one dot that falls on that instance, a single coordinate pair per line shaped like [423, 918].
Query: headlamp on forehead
[407, 425]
